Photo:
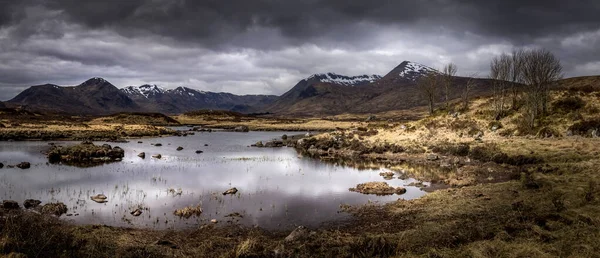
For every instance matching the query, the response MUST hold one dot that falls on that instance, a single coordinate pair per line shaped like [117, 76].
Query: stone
[284, 137]
[242, 128]
[158, 144]
[142, 155]
[1, 165]
[213, 221]
[199, 151]
[179, 148]
[157, 156]
[259, 144]
[24, 165]
[432, 157]
[187, 212]
[56, 209]
[99, 198]
[136, 212]
[231, 191]
[299, 233]
[31, 203]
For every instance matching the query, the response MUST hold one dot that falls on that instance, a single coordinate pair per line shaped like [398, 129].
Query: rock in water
[142, 155]
[179, 148]
[231, 191]
[24, 165]
[31, 203]
[99, 198]
[199, 151]
[242, 128]
[157, 156]
[136, 212]
[57, 209]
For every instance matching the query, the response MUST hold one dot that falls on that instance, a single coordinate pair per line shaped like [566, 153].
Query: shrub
[586, 128]
[568, 104]
[548, 132]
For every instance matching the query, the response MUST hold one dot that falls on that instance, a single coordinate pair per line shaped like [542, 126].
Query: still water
[277, 188]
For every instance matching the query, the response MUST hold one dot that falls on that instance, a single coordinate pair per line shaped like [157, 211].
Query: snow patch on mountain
[145, 90]
[344, 80]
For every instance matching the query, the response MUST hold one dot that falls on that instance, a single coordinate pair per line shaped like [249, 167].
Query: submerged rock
[24, 165]
[378, 188]
[231, 191]
[136, 212]
[188, 212]
[57, 209]
[31, 203]
[99, 198]
[387, 175]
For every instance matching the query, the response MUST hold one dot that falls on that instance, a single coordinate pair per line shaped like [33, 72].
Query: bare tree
[468, 86]
[540, 69]
[516, 76]
[428, 86]
[501, 68]
[448, 73]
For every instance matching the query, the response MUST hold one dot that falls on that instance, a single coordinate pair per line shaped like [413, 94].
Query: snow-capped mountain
[145, 90]
[344, 80]
[409, 71]
[184, 99]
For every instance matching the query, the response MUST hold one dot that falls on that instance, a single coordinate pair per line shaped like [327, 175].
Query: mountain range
[319, 94]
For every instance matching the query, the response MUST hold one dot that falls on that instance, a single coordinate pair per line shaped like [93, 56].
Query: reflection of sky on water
[276, 188]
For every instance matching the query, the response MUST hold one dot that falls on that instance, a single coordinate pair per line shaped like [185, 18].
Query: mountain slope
[182, 99]
[95, 96]
[396, 90]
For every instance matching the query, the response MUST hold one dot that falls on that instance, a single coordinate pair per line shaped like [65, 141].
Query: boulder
[99, 198]
[136, 212]
[31, 203]
[299, 233]
[213, 221]
[231, 191]
[199, 151]
[259, 144]
[158, 144]
[432, 157]
[188, 212]
[10, 205]
[179, 148]
[24, 165]
[56, 209]
[142, 155]
[242, 128]
[1, 165]
[284, 137]
[157, 156]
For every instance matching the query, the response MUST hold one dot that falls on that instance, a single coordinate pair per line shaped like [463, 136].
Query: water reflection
[276, 188]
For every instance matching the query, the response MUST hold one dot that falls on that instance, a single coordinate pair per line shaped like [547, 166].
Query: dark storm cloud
[265, 46]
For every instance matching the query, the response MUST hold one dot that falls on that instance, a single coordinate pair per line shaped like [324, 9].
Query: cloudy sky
[266, 46]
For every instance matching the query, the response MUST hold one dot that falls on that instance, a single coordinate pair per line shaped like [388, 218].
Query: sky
[267, 46]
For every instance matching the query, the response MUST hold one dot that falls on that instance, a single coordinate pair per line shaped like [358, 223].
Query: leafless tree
[468, 86]
[501, 68]
[540, 70]
[448, 73]
[428, 86]
[516, 76]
